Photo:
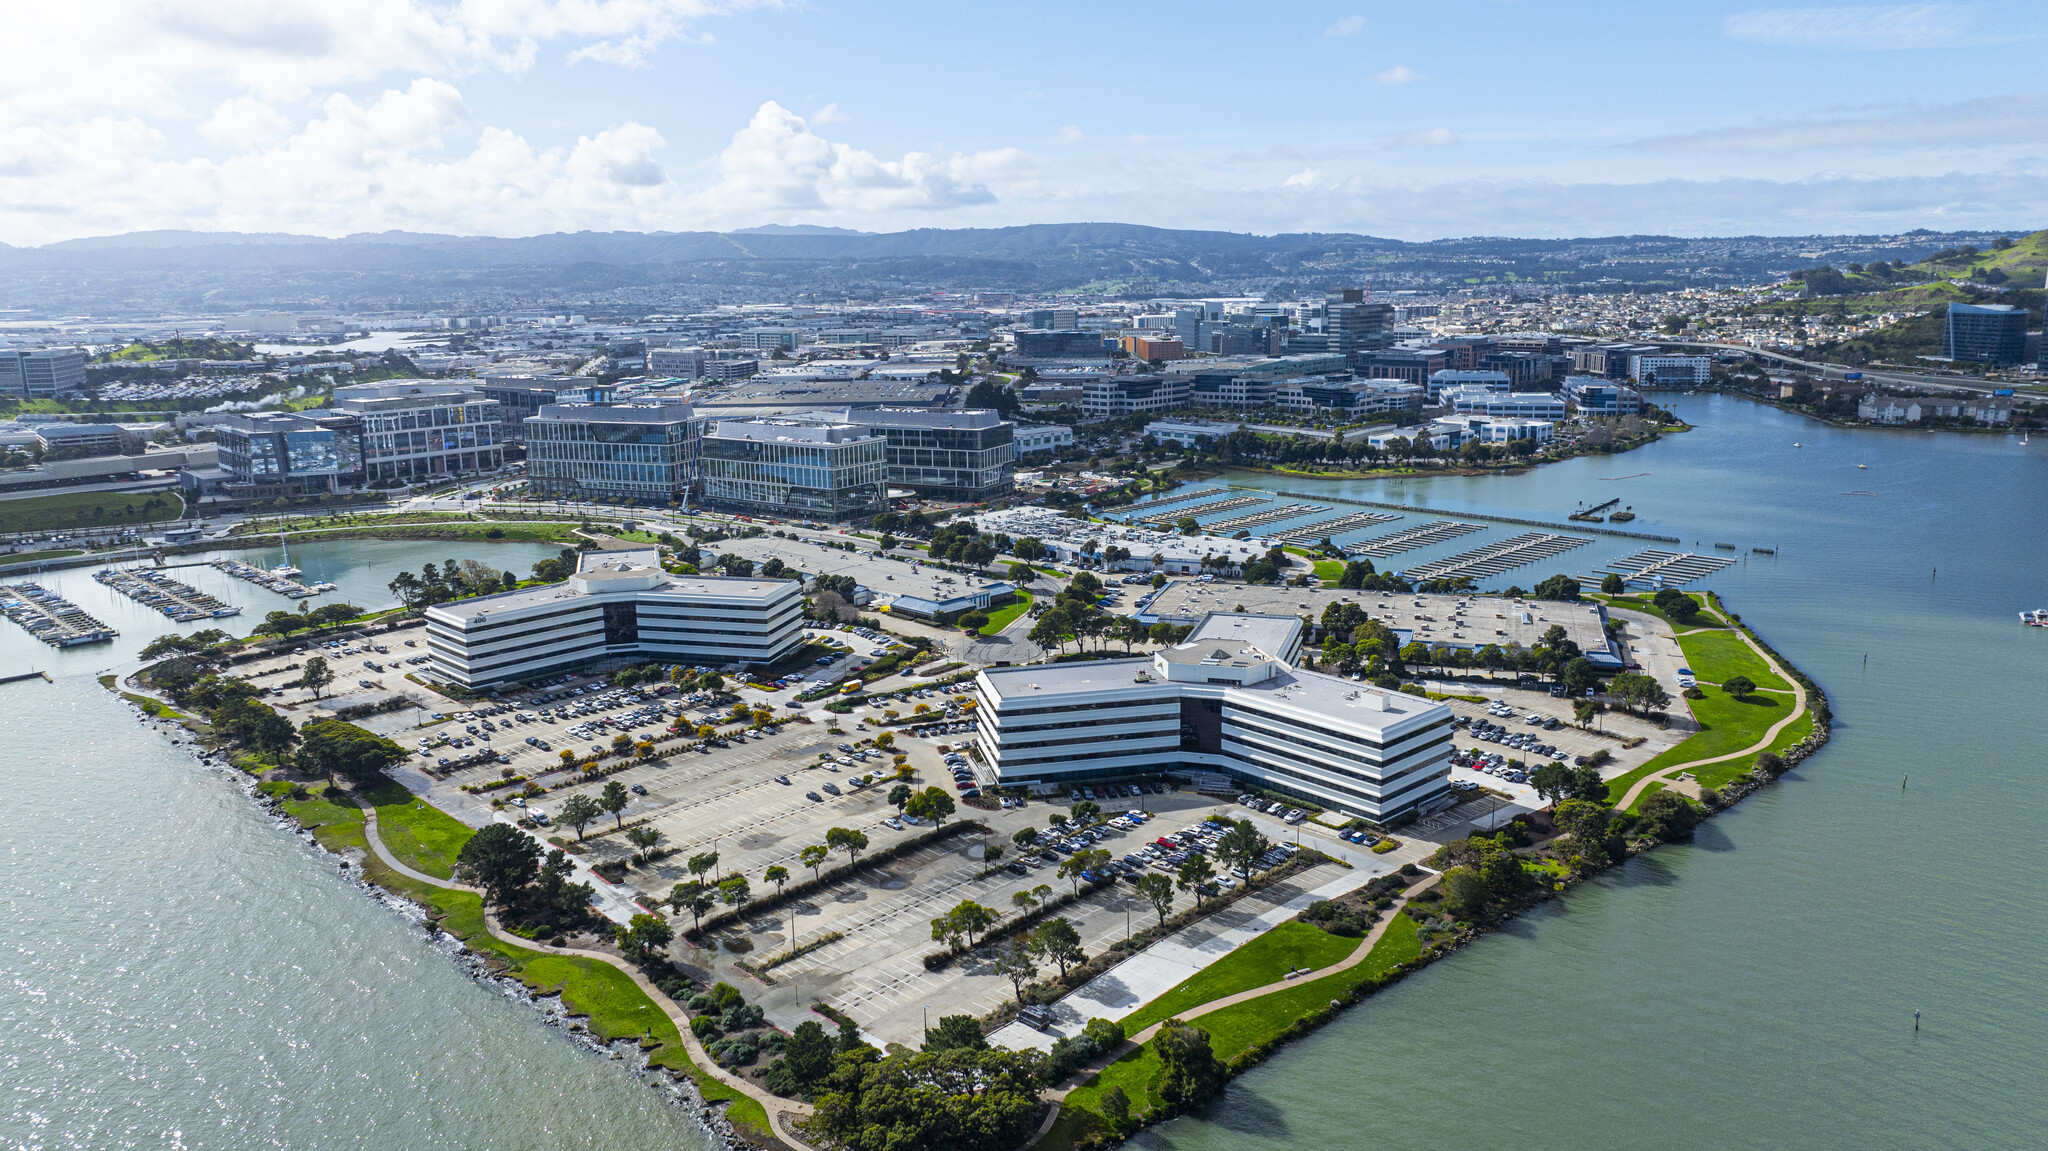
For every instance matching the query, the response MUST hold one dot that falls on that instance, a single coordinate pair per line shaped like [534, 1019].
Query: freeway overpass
[1929, 381]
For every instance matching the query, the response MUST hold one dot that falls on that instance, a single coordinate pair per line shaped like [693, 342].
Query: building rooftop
[790, 431]
[1273, 633]
[634, 569]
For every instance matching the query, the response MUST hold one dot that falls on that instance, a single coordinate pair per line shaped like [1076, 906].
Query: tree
[334, 747]
[1464, 893]
[1194, 875]
[932, 803]
[1577, 675]
[316, 675]
[967, 920]
[643, 837]
[848, 840]
[814, 857]
[1583, 711]
[734, 890]
[1612, 584]
[777, 875]
[1587, 784]
[808, 1054]
[1057, 941]
[955, 1032]
[1559, 587]
[1014, 963]
[645, 936]
[702, 862]
[1739, 686]
[1667, 817]
[1156, 889]
[614, 800]
[579, 811]
[1241, 847]
[1085, 811]
[692, 896]
[1552, 781]
[499, 858]
[1025, 838]
[900, 795]
[1585, 823]
[1085, 860]
[1192, 1072]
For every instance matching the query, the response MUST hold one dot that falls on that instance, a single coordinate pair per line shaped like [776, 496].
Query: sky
[1414, 121]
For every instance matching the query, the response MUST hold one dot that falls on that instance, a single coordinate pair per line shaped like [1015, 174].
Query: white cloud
[245, 122]
[829, 114]
[1070, 134]
[776, 164]
[1398, 74]
[1988, 122]
[1860, 28]
[1426, 138]
[1306, 178]
[1346, 26]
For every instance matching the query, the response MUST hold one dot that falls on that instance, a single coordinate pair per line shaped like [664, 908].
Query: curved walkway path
[1762, 744]
[782, 1113]
[1358, 955]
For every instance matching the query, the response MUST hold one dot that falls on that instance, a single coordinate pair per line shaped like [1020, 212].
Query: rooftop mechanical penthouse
[619, 605]
[1220, 703]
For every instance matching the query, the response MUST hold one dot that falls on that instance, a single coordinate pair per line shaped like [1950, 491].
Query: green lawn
[423, 837]
[32, 557]
[1003, 617]
[1715, 656]
[1329, 571]
[74, 510]
[1263, 960]
[1642, 604]
[615, 1006]
[1231, 1030]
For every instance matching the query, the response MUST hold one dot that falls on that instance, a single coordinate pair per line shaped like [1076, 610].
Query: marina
[1656, 568]
[270, 581]
[1270, 515]
[1231, 504]
[1434, 532]
[182, 602]
[1151, 506]
[1336, 526]
[1495, 558]
[50, 617]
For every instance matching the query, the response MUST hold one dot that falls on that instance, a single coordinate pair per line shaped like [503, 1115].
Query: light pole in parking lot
[927, 1021]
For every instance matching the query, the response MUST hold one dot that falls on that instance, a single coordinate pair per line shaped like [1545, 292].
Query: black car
[638, 789]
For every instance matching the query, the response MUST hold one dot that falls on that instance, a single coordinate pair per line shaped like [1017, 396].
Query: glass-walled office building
[969, 456]
[415, 430]
[786, 467]
[643, 453]
[290, 453]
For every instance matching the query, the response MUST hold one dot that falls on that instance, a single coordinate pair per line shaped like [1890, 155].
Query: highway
[1838, 371]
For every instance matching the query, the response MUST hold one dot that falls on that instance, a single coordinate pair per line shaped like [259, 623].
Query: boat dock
[1333, 527]
[50, 617]
[1151, 506]
[1495, 558]
[182, 602]
[1270, 515]
[1408, 540]
[1231, 504]
[1655, 568]
[263, 579]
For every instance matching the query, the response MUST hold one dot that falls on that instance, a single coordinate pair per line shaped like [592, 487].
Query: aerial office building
[969, 456]
[289, 453]
[1358, 325]
[43, 373]
[788, 467]
[1994, 334]
[619, 606]
[518, 398]
[417, 430]
[1222, 702]
[640, 452]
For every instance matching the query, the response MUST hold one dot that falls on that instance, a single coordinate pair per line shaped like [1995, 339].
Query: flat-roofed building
[417, 430]
[1509, 405]
[1031, 438]
[969, 455]
[1994, 334]
[41, 373]
[1598, 397]
[618, 606]
[518, 397]
[1220, 704]
[645, 452]
[789, 467]
[289, 453]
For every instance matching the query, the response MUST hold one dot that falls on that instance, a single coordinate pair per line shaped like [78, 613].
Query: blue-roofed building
[942, 611]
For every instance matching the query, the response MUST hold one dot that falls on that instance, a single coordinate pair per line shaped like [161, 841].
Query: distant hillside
[144, 352]
[2003, 263]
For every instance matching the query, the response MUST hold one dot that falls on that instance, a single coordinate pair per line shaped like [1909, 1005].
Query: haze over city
[1412, 122]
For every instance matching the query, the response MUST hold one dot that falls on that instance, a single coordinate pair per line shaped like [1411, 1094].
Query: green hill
[204, 348]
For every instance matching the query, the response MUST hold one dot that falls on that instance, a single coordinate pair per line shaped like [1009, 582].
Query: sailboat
[1797, 444]
[285, 569]
[1865, 467]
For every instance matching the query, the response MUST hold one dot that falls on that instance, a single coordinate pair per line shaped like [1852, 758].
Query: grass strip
[1004, 616]
[1265, 959]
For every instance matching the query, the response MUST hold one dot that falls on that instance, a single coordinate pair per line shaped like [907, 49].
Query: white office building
[620, 605]
[417, 430]
[1509, 405]
[42, 373]
[1223, 704]
[1043, 438]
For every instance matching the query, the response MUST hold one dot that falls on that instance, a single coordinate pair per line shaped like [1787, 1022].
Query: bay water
[180, 972]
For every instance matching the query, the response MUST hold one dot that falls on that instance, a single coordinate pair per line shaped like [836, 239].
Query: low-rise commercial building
[944, 611]
[1038, 344]
[1153, 349]
[1463, 379]
[1110, 396]
[1032, 438]
[645, 452]
[264, 454]
[1511, 405]
[416, 430]
[518, 397]
[968, 455]
[1663, 371]
[1597, 397]
[618, 606]
[790, 467]
[1218, 704]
